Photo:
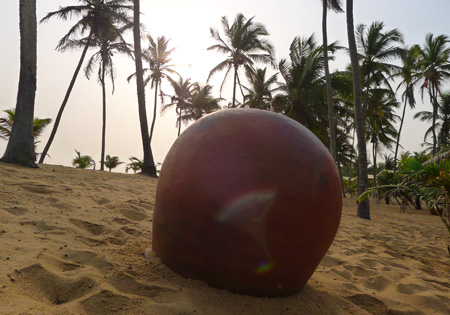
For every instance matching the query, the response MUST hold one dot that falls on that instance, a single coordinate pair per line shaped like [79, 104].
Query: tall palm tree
[20, 148]
[244, 44]
[97, 16]
[202, 102]
[335, 5]
[304, 98]
[7, 123]
[380, 122]
[259, 92]
[157, 55]
[363, 181]
[148, 163]
[183, 92]
[112, 162]
[376, 47]
[408, 75]
[434, 66]
[108, 45]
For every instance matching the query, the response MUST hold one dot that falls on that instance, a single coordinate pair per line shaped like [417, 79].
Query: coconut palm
[335, 5]
[259, 92]
[202, 102]
[434, 66]
[376, 47]
[363, 181]
[112, 162]
[304, 98]
[244, 44]
[148, 164]
[380, 122]
[408, 75]
[7, 123]
[108, 45]
[96, 17]
[157, 55]
[183, 92]
[83, 161]
[20, 147]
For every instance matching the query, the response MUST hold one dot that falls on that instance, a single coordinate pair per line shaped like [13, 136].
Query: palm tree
[375, 48]
[304, 98]
[20, 148]
[243, 44]
[202, 102]
[434, 66]
[109, 44]
[7, 123]
[380, 122]
[337, 7]
[97, 16]
[408, 75]
[183, 93]
[442, 123]
[259, 93]
[148, 164]
[363, 181]
[83, 161]
[135, 164]
[112, 162]
[157, 56]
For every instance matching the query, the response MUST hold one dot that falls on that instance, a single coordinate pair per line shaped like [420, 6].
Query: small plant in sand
[429, 182]
[83, 161]
[112, 162]
[135, 165]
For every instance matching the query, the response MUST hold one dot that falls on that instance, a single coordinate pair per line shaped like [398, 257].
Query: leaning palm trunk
[66, 98]
[399, 132]
[328, 81]
[435, 104]
[363, 182]
[154, 111]
[20, 148]
[148, 164]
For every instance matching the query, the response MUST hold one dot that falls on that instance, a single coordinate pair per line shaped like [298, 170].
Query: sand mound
[72, 242]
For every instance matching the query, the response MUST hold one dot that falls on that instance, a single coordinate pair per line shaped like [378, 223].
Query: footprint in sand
[41, 284]
[17, 211]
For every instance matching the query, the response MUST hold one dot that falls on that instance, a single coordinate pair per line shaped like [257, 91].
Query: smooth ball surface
[248, 201]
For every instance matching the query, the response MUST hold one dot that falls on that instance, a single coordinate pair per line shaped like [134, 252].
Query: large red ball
[248, 201]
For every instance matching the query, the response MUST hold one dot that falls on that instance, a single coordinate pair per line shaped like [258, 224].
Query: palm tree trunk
[435, 109]
[399, 132]
[374, 152]
[102, 157]
[154, 111]
[179, 123]
[66, 98]
[331, 122]
[363, 182]
[148, 165]
[234, 86]
[20, 148]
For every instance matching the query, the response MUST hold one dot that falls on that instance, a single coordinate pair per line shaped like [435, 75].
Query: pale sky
[187, 23]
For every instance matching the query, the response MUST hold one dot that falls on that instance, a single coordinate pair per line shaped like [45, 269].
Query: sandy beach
[72, 241]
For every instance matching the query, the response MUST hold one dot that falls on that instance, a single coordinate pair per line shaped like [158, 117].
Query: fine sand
[72, 242]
